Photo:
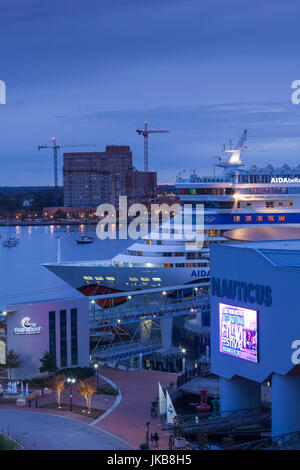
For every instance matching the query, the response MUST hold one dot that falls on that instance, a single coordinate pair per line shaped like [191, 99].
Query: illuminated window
[133, 279]
[248, 218]
[145, 279]
[270, 218]
[156, 279]
[110, 278]
[88, 278]
[259, 218]
[99, 278]
[281, 218]
[236, 218]
[212, 233]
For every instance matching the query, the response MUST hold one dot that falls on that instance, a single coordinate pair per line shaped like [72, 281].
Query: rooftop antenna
[145, 132]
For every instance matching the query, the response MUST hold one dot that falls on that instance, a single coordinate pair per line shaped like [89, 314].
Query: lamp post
[183, 350]
[71, 381]
[147, 435]
[96, 372]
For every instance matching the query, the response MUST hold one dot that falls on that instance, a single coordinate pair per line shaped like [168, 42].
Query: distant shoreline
[26, 223]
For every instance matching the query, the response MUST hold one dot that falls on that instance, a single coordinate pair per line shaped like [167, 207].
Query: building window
[259, 218]
[270, 218]
[74, 337]
[213, 233]
[63, 338]
[248, 218]
[52, 334]
[281, 218]
[237, 218]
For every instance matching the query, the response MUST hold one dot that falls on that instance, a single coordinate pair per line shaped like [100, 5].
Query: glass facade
[74, 337]
[52, 334]
[63, 338]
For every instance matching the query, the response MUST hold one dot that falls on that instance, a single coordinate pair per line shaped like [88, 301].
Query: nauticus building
[59, 326]
[255, 326]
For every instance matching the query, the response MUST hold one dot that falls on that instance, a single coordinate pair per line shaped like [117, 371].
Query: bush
[107, 390]
[78, 373]
[41, 381]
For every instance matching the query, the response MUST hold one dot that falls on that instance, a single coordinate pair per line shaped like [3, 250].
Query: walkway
[43, 431]
[139, 388]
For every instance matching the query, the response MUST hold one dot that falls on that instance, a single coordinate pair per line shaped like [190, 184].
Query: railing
[234, 421]
[126, 350]
[155, 311]
[290, 441]
[203, 370]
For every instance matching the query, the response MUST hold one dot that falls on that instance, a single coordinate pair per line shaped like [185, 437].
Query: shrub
[40, 381]
[107, 390]
[78, 373]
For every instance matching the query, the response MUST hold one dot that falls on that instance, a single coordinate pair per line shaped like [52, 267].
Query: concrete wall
[278, 324]
[32, 346]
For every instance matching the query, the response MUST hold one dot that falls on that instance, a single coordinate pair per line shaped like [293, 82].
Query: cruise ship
[238, 198]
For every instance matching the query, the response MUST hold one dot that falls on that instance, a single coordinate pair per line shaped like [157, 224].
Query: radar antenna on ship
[234, 161]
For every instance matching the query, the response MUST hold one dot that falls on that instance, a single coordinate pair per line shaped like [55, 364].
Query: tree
[57, 384]
[13, 361]
[178, 427]
[48, 361]
[87, 389]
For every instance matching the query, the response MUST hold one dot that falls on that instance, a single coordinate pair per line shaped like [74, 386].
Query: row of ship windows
[111, 278]
[215, 191]
[259, 218]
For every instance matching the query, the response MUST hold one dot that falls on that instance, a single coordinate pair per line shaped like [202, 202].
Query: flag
[171, 413]
[162, 400]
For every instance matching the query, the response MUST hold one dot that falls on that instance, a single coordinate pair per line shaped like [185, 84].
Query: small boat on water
[84, 240]
[10, 241]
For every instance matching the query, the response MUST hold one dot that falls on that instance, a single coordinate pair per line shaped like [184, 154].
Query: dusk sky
[93, 71]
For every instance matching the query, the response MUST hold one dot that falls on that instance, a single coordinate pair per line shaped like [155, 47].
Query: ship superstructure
[238, 198]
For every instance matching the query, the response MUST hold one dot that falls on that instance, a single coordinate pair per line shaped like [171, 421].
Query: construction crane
[145, 132]
[53, 145]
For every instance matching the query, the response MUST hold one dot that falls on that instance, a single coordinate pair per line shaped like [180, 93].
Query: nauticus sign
[243, 291]
[27, 328]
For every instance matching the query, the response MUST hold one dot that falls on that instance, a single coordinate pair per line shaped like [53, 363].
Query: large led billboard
[238, 332]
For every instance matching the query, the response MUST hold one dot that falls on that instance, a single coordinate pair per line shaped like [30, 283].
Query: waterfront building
[141, 186]
[255, 334]
[94, 178]
[59, 326]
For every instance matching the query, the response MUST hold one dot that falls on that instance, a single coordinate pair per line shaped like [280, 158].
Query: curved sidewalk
[139, 388]
[42, 431]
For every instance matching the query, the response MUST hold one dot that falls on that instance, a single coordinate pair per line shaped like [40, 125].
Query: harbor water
[22, 275]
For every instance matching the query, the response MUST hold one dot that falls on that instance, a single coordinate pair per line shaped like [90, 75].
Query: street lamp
[147, 435]
[96, 372]
[183, 350]
[71, 381]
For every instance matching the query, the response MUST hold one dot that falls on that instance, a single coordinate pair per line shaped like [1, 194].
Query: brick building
[93, 178]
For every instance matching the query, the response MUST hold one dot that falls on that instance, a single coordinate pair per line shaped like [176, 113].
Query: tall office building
[94, 178]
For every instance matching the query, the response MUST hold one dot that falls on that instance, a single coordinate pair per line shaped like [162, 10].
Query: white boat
[84, 240]
[237, 199]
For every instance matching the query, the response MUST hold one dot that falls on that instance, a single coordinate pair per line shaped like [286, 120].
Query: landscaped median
[6, 443]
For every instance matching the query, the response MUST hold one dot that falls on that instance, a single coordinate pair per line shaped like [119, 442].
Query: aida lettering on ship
[243, 291]
[285, 180]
